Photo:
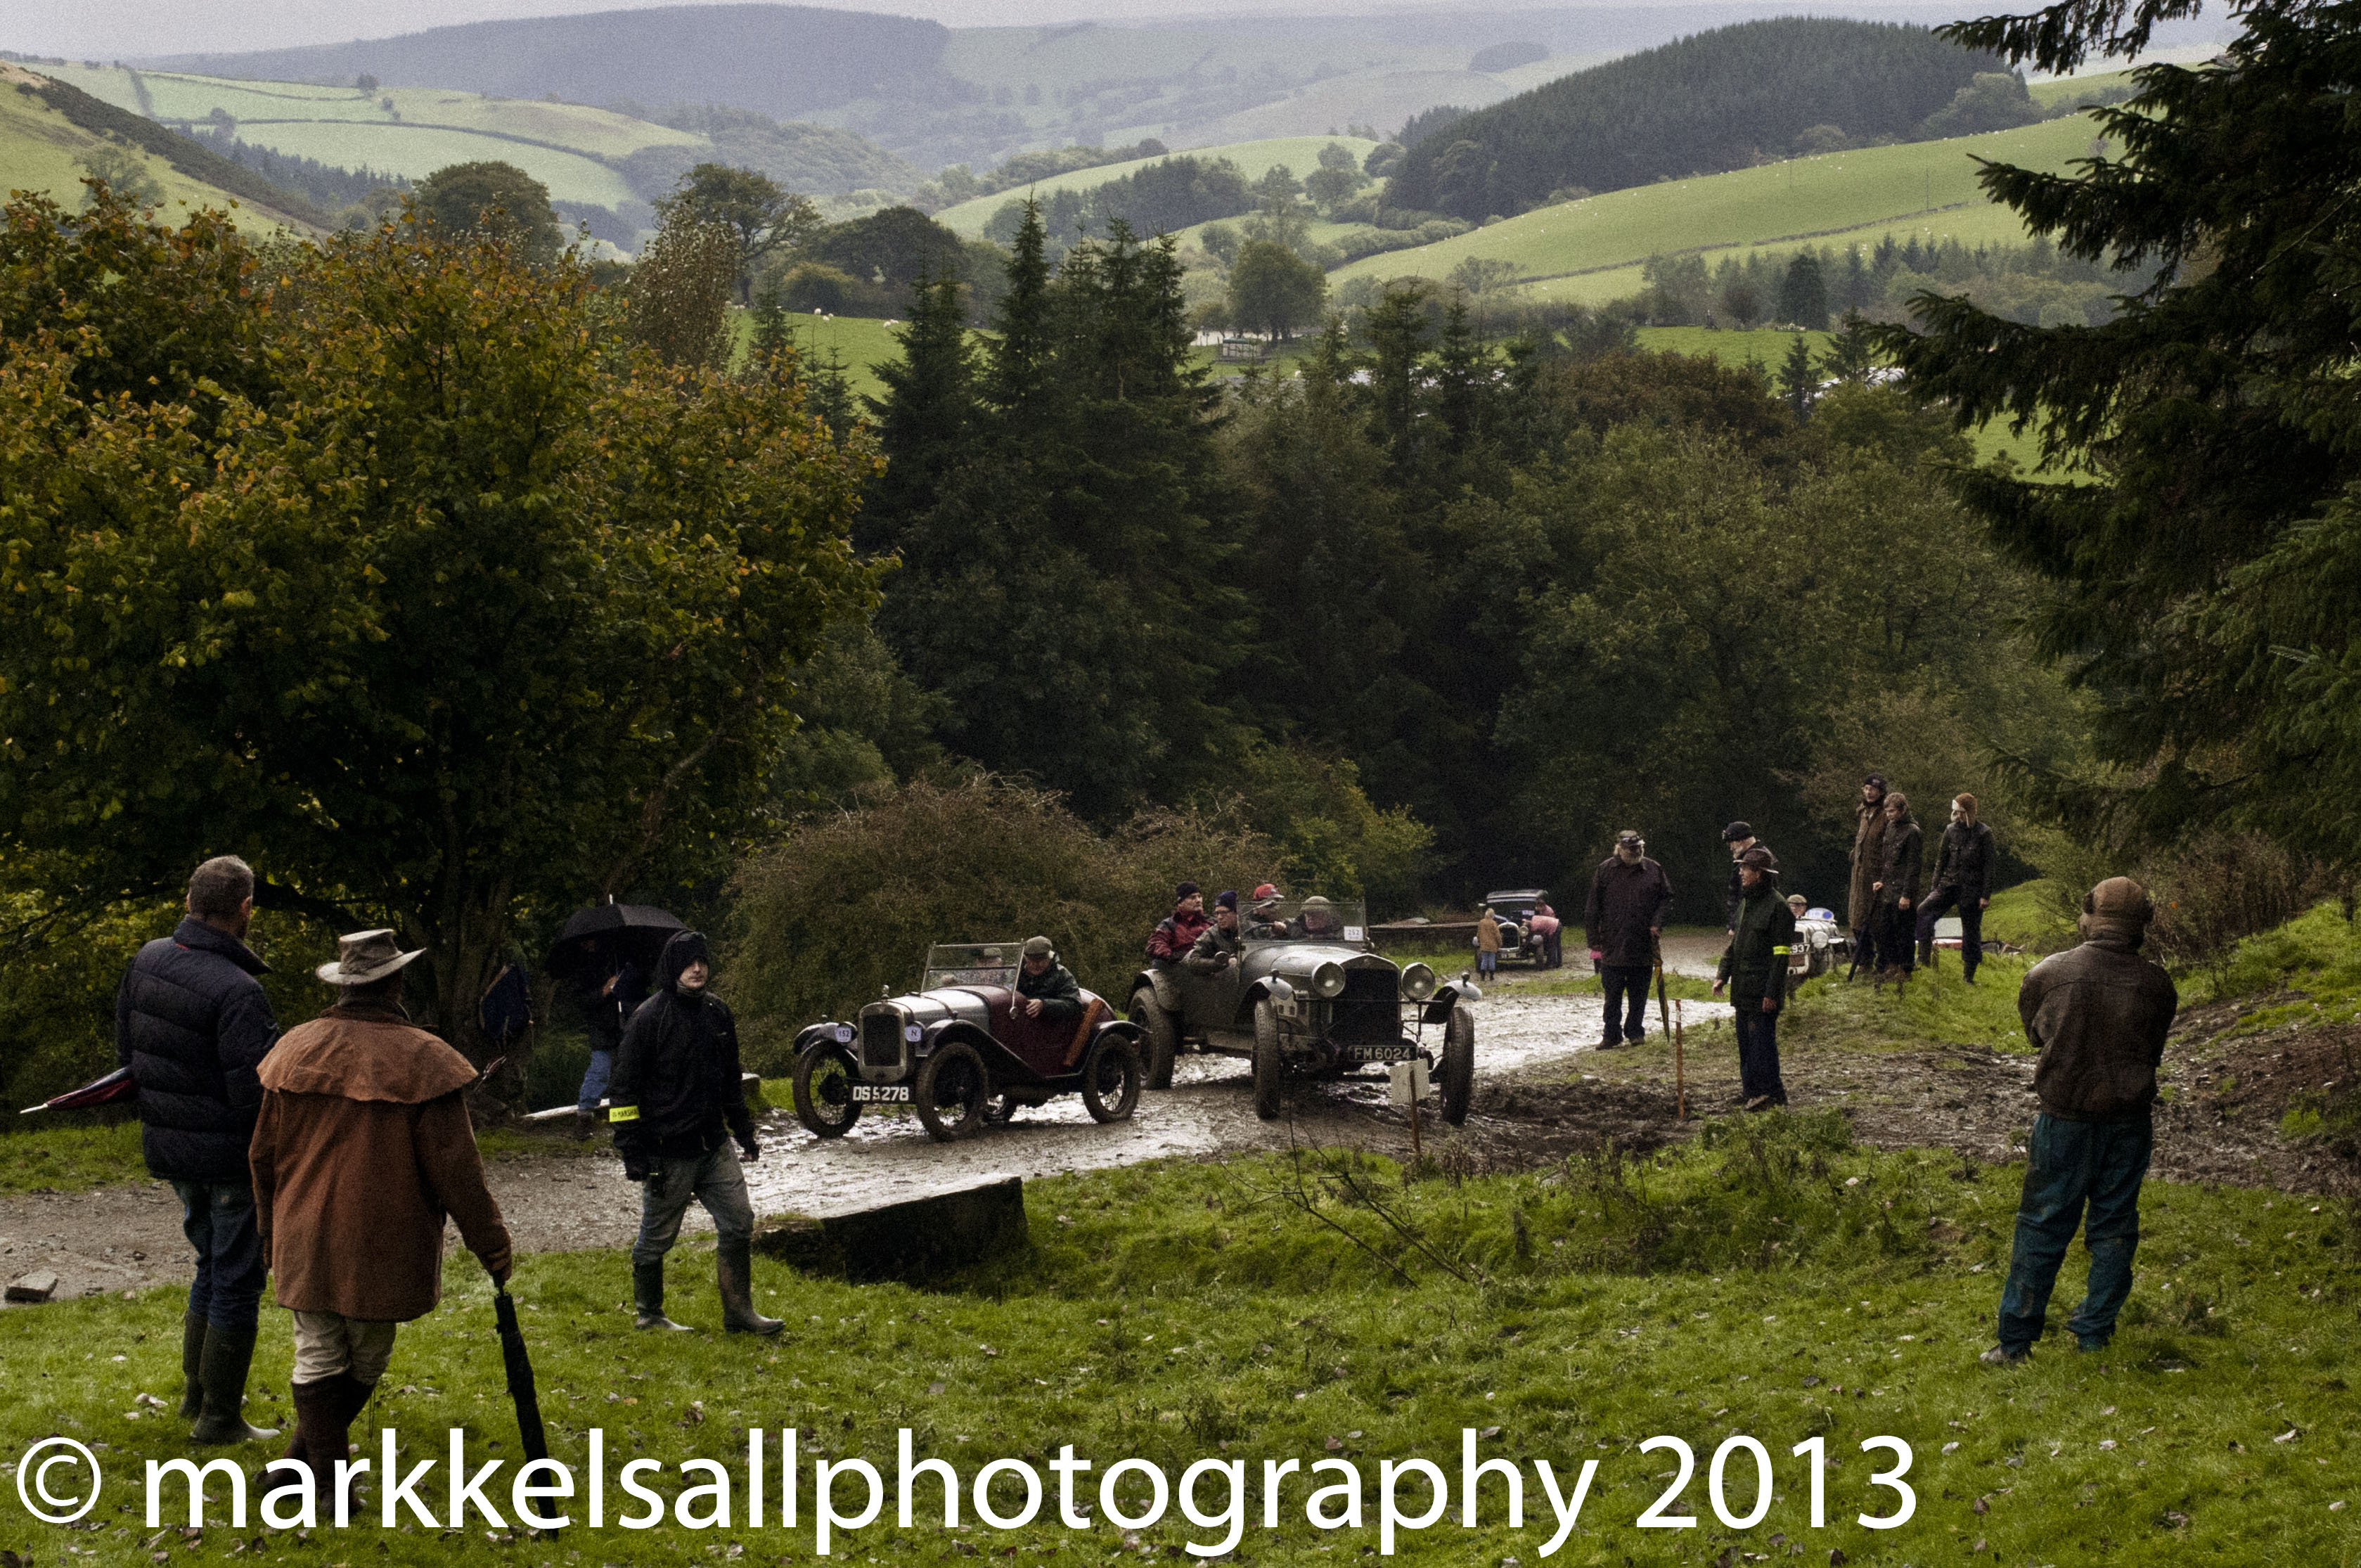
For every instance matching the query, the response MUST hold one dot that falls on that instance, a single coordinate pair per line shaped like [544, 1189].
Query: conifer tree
[927, 419]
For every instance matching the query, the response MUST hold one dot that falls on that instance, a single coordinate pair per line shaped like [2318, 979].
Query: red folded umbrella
[115, 1086]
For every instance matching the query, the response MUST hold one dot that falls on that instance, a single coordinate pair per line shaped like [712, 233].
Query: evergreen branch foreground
[1771, 1280]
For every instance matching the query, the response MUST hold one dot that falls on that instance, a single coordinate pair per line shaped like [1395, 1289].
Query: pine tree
[1799, 383]
[1396, 331]
[927, 419]
[1804, 294]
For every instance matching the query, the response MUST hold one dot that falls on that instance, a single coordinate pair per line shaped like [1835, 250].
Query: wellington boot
[1926, 955]
[314, 1417]
[647, 1297]
[221, 1371]
[734, 1272]
[341, 1400]
[193, 1354]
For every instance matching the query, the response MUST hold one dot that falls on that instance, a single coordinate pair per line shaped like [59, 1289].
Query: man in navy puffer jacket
[191, 1024]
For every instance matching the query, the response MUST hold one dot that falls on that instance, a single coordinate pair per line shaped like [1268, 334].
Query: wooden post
[1680, 1079]
[1416, 1154]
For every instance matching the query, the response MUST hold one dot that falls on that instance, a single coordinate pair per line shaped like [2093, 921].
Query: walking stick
[1680, 1080]
[519, 1370]
[1664, 1015]
[1663, 1009]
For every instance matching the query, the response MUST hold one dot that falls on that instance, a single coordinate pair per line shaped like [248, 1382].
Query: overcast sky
[122, 29]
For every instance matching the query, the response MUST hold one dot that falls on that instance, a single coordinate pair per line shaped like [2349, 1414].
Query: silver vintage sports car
[1309, 994]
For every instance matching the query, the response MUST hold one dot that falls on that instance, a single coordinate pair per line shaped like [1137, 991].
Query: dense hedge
[1718, 101]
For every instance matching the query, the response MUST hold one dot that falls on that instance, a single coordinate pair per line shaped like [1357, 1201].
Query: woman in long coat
[1868, 863]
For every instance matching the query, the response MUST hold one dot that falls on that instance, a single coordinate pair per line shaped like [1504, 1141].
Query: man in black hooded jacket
[677, 1101]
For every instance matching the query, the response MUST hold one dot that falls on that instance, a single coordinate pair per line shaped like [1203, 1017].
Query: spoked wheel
[823, 1089]
[1163, 1031]
[1458, 1065]
[1112, 1075]
[1266, 1072]
[1000, 1110]
[952, 1091]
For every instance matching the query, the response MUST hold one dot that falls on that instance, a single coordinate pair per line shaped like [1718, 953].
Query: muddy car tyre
[1112, 1079]
[823, 1102]
[1163, 1042]
[1458, 1075]
[1269, 1073]
[953, 1068]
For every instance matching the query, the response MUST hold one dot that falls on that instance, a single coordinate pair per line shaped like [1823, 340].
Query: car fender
[1451, 994]
[1124, 1026]
[826, 1033]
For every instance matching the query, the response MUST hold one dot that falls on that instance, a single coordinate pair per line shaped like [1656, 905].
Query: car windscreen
[971, 963]
[1309, 920]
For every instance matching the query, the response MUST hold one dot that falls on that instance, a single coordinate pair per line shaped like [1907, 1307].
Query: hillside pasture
[43, 153]
[1301, 154]
[1594, 246]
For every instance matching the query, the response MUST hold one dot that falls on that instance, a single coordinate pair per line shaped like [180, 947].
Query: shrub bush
[847, 906]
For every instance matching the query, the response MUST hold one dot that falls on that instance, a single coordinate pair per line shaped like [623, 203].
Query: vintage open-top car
[1309, 994]
[963, 1051]
[1513, 907]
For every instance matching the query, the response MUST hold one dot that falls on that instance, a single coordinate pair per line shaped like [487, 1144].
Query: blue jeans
[714, 1178]
[1486, 962]
[1627, 998]
[1758, 1052]
[595, 1081]
[2073, 1164]
[218, 1218]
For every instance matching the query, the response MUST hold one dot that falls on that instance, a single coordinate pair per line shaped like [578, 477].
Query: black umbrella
[635, 931]
[520, 1366]
[115, 1086]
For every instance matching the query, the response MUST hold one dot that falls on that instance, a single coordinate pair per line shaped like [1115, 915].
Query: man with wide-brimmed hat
[362, 1149]
[2099, 1014]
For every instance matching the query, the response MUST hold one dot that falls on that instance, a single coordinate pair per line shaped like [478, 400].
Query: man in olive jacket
[678, 1100]
[362, 1149]
[1754, 967]
[2099, 1014]
[1868, 865]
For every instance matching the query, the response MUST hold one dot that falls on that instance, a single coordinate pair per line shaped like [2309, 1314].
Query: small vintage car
[1308, 994]
[962, 1051]
[1513, 907]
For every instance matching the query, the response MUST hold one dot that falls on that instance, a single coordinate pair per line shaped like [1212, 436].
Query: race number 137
[1737, 1450]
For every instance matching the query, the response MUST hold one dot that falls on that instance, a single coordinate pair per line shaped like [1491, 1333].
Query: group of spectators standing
[329, 1158]
[1892, 925]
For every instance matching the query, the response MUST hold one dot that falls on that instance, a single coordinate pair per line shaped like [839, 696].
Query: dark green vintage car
[1310, 996]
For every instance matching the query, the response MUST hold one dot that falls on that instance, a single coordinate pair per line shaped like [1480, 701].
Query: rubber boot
[342, 1397]
[221, 1371]
[647, 1295]
[192, 1353]
[315, 1415]
[733, 1270]
[584, 1124]
[1926, 955]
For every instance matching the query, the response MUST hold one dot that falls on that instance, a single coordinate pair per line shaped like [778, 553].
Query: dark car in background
[961, 1051]
[1311, 996]
[1513, 907]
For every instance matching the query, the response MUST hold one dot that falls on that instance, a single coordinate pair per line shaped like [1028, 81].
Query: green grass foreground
[1769, 1281]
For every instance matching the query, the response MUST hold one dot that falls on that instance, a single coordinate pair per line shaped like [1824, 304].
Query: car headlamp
[1417, 982]
[1328, 980]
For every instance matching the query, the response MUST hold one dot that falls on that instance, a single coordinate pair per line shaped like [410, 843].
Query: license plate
[1381, 1053]
[881, 1093]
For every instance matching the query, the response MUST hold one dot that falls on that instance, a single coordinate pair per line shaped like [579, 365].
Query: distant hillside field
[1591, 251]
[44, 153]
[1713, 102]
[1254, 159]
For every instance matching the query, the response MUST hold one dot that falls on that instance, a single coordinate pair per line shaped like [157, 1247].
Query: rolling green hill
[1301, 154]
[44, 153]
[1591, 251]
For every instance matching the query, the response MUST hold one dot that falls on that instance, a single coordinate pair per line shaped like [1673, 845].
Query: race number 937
[1741, 1453]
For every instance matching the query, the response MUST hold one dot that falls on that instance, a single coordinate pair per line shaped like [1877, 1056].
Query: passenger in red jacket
[1179, 931]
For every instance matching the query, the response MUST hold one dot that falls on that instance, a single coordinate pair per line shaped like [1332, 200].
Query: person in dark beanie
[2099, 1014]
[1170, 943]
[1621, 920]
[191, 1024]
[1868, 866]
[362, 1151]
[1739, 836]
[1903, 852]
[677, 1101]
[1754, 968]
[1964, 868]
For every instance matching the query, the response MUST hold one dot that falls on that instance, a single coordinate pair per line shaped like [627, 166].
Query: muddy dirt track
[1542, 1091]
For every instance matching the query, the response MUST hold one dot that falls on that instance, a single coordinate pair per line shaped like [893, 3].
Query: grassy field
[1301, 154]
[1594, 246]
[1770, 1281]
[41, 152]
[557, 144]
[862, 343]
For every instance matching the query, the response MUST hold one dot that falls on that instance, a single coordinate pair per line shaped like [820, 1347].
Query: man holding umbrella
[678, 1101]
[362, 1149]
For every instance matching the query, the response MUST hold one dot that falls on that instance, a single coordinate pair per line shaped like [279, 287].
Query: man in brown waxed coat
[362, 1149]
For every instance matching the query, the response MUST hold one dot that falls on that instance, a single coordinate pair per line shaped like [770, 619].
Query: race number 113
[1737, 1452]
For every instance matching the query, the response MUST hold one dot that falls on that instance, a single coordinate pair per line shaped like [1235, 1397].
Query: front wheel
[1163, 1033]
[1267, 1071]
[951, 1092]
[1111, 1074]
[823, 1090]
[1458, 1065]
